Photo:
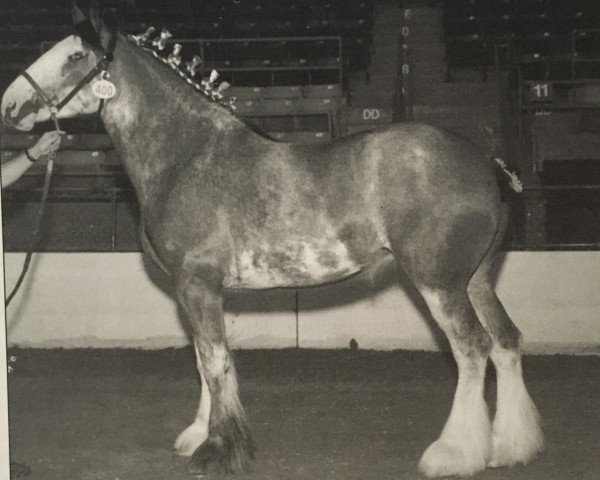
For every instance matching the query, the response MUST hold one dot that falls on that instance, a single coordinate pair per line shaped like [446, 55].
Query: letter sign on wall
[371, 114]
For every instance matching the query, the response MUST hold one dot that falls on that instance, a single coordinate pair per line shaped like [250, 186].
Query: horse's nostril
[8, 113]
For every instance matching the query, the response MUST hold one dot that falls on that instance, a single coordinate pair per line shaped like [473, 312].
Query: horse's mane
[204, 87]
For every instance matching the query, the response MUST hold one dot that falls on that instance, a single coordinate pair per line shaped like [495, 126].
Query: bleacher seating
[269, 61]
[208, 19]
[555, 45]
[547, 36]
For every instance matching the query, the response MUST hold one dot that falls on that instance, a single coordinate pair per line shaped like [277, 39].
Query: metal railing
[333, 63]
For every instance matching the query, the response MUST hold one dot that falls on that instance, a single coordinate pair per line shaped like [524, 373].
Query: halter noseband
[101, 66]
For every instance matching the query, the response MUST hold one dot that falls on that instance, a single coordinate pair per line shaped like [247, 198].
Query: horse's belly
[295, 264]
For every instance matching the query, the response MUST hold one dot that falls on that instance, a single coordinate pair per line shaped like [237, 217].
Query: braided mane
[205, 87]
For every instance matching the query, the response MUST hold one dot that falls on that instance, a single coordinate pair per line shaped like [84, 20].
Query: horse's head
[58, 73]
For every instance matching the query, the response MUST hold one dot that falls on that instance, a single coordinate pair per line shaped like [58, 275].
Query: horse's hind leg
[228, 446]
[440, 259]
[464, 446]
[516, 435]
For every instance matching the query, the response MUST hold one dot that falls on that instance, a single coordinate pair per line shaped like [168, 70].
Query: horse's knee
[216, 359]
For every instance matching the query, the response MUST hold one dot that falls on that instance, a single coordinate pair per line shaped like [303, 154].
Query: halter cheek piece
[101, 66]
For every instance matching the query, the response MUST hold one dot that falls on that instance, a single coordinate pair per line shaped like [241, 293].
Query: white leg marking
[464, 446]
[193, 436]
[517, 436]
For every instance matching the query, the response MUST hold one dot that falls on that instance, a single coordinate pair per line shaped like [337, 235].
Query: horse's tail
[506, 178]
[506, 175]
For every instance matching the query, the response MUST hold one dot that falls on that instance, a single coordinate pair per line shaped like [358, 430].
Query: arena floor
[113, 414]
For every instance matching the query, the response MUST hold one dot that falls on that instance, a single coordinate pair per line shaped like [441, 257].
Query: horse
[225, 207]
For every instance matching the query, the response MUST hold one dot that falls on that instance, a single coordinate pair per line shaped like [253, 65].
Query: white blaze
[47, 72]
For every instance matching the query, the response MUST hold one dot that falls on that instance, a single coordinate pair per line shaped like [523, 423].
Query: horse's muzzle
[7, 112]
[19, 116]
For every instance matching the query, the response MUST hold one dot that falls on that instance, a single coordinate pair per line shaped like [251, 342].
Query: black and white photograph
[300, 239]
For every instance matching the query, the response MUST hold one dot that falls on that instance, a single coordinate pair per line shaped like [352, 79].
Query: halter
[101, 66]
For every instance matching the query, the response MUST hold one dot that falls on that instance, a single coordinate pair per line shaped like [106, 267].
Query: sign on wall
[541, 92]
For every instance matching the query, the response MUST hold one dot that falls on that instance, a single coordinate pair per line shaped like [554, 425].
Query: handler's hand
[48, 143]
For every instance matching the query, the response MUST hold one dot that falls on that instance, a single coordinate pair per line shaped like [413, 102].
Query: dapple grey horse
[225, 207]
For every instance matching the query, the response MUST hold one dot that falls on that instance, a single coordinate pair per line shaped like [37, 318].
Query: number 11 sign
[540, 92]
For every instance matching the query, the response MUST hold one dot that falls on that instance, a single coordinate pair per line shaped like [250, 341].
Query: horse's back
[406, 163]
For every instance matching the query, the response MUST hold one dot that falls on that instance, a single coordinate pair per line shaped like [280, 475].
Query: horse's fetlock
[223, 453]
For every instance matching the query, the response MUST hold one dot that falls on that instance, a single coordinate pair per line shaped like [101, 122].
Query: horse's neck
[156, 120]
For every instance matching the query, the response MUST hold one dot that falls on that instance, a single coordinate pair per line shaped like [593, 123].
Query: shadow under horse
[226, 207]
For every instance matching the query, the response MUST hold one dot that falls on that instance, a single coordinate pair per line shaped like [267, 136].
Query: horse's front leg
[193, 436]
[226, 445]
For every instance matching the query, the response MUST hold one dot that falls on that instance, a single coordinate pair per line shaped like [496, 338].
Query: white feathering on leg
[517, 436]
[464, 446]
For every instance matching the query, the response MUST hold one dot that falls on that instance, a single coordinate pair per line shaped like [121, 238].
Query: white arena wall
[120, 300]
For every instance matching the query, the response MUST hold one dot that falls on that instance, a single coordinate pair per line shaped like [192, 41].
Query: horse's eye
[76, 56]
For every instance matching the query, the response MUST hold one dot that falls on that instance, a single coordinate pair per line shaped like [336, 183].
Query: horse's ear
[101, 29]
[95, 16]
[78, 16]
[83, 26]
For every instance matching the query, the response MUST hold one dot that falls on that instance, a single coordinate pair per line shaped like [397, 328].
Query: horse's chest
[296, 262]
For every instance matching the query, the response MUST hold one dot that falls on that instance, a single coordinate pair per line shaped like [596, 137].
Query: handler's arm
[14, 168]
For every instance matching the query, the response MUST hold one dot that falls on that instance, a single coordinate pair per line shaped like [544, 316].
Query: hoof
[208, 458]
[216, 455]
[190, 439]
[517, 438]
[516, 447]
[444, 458]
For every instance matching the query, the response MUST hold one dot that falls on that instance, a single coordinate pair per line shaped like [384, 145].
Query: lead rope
[40, 215]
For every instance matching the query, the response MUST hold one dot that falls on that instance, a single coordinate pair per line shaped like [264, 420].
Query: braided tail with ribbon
[515, 183]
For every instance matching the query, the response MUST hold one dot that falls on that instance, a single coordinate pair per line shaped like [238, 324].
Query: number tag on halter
[104, 89]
